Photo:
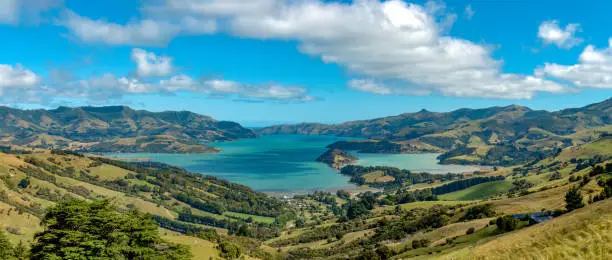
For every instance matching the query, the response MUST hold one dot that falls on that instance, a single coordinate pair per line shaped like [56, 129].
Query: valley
[546, 197]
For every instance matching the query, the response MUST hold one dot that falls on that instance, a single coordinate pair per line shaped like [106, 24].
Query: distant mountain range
[493, 136]
[115, 129]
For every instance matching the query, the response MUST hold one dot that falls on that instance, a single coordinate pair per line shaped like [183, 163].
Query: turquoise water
[284, 163]
[413, 162]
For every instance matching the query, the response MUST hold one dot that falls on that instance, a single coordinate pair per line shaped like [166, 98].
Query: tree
[369, 254]
[300, 223]
[21, 250]
[506, 223]
[573, 199]
[229, 250]
[77, 229]
[6, 249]
[384, 252]
[24, 183]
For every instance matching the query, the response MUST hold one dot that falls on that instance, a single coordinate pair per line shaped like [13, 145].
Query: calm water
[286, 163]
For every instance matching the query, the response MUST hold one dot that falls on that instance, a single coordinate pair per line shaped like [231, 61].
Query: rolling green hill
[93, 128]
[493, 136]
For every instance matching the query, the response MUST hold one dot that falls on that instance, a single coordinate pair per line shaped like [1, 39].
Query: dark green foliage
[597, 169]
[479, 211]
[520, 186]
[507, 223]
[555, 176]
[369, 254]
[573, 199]
[21, 250]
[184, 186]
[24, 183]
[178, 226]
[66, 152]
[384, 252]
[401, 176]
[320, 196]
[197, 203]
[418, 243]
[78, 230]
[403, 196]
[470, 231]
[464, 184]
[6, 248]
[343, 194]
[356, 209]
[300, 223]
[229, 250]
[607, 192]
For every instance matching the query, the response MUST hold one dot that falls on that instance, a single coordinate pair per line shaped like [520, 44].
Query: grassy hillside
[480, 191]
[583, 234]
[114, 128]
[207, 207]
[509, 135]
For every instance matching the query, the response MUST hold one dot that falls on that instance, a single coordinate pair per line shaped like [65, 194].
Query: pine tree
[80, 230]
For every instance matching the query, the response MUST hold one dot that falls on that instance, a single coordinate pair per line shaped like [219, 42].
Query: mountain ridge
[86, 126]
[470, 133]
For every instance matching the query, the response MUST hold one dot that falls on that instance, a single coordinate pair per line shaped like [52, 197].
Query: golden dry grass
[27, 224]
[439, 236]
[549, 199]
[201, 249]
[583, 234]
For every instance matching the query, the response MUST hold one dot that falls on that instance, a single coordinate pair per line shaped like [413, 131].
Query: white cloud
[112, 87]
[593, 70]
[386, 42]
[551, 33]
[392, 41]
[141, 33]
[366, 85]
[150, 65]
[17, 77]
[197, 26]
[25, 11]
[469, 12]
[220, 87]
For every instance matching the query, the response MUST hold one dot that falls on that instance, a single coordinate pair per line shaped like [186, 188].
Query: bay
[286, 163]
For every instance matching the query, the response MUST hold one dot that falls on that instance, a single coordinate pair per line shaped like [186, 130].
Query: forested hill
[505, 130]
[77, 127]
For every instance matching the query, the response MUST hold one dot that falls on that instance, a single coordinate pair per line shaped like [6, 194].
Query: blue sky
[277, 61]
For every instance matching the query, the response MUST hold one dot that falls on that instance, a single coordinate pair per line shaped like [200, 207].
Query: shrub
[506, 223]
[573, 199]
[470, 231]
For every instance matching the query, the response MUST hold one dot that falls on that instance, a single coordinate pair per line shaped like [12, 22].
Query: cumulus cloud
[109, 87]
[16, 11]
[551, 33]
[391, 43]
[146, 32]
[141, 33]
[593, 70]
[148, 64]
[17, 77]
[394, 41]
[227, 88]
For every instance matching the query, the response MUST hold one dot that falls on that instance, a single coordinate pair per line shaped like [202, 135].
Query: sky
[262, 62]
